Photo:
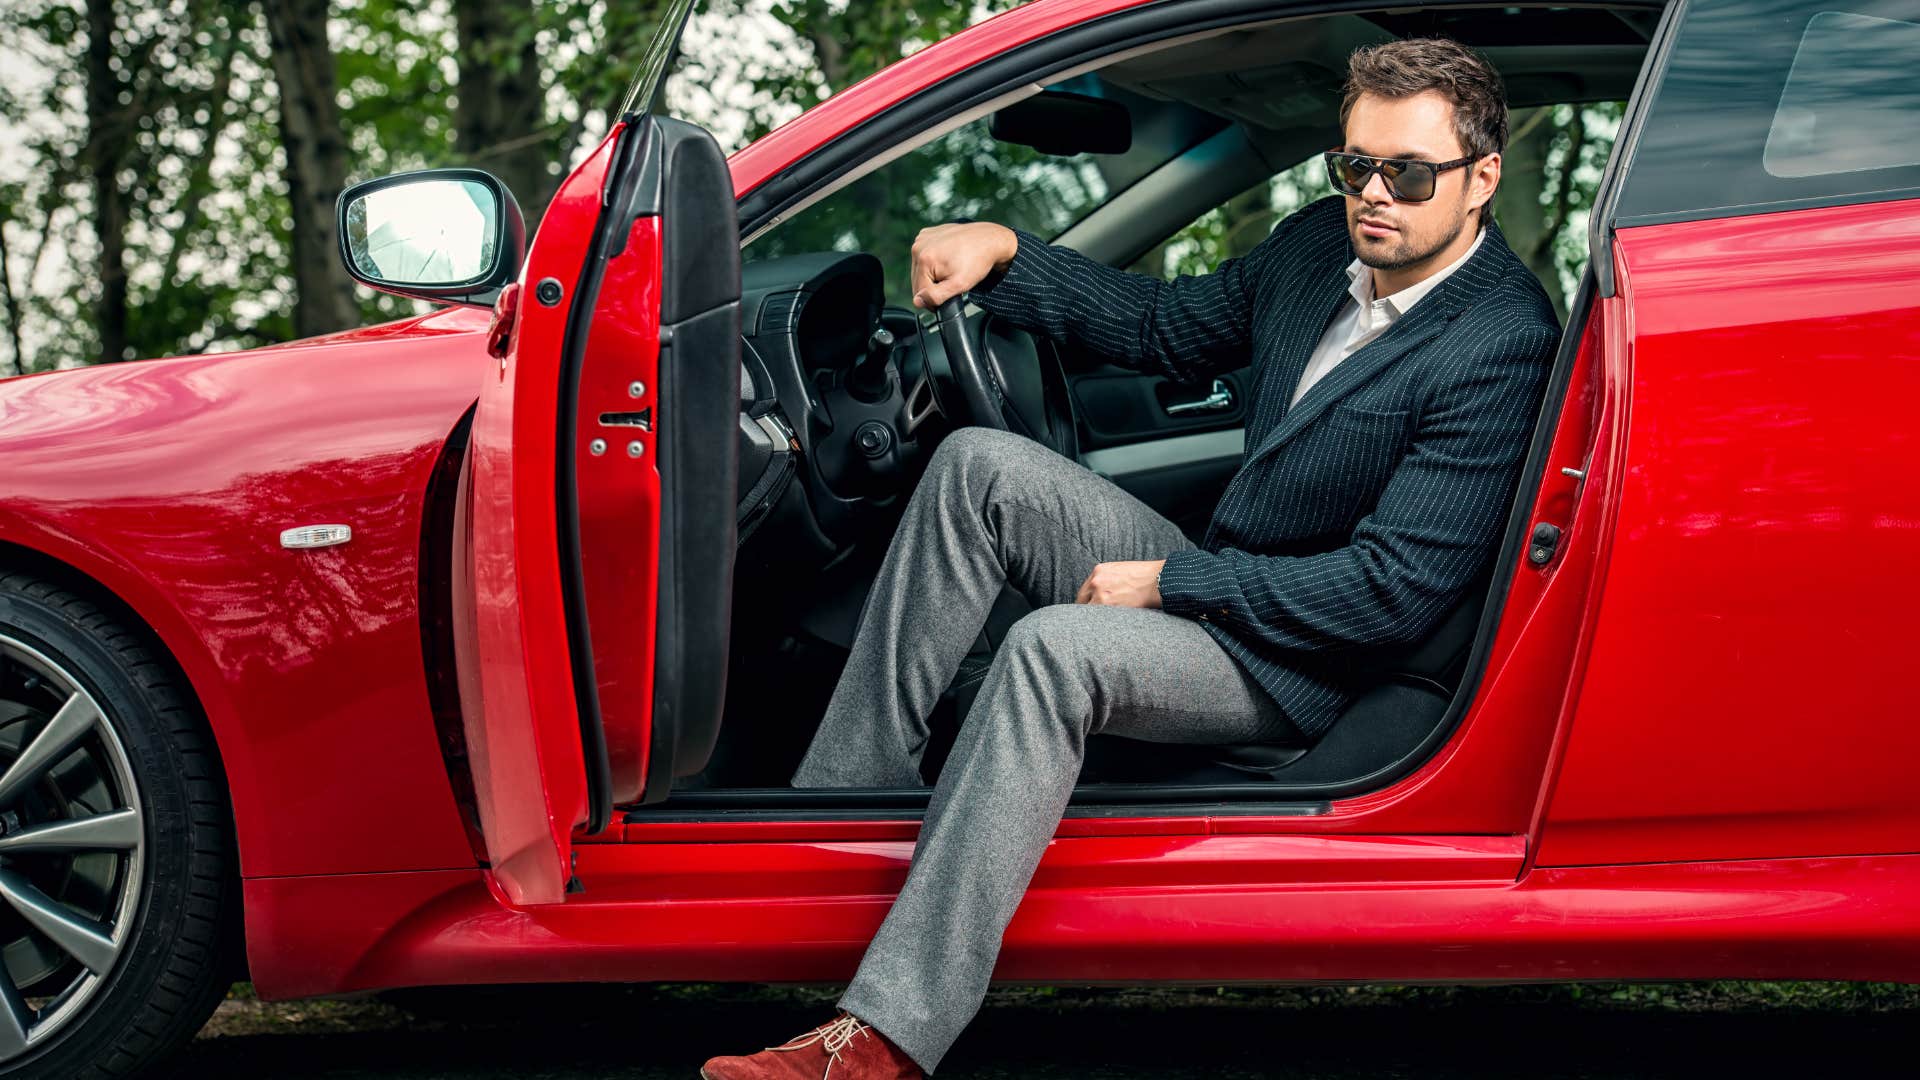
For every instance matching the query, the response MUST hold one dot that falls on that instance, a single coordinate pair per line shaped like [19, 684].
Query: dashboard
[839, 405]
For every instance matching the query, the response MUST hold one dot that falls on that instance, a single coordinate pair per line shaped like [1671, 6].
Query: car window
[1851, 102]
[1231, 229]
[967, 173]
[1550, 170]
[1774, 104]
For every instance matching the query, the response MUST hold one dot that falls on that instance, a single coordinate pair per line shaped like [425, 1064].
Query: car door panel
[1744, 696]
[1181, 476]
[1753, 625]
[522, 729]
[1119, 407]
[601, 521]
[1159, 439]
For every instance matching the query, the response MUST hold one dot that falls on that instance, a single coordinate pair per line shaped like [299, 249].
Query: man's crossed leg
[996, 508]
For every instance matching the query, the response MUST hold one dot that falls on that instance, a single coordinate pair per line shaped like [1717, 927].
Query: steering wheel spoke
[1006, 379]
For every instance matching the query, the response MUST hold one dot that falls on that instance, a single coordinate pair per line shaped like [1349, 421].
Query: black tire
[179, 955]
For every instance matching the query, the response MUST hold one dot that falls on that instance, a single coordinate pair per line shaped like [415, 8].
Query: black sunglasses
[1407, 180]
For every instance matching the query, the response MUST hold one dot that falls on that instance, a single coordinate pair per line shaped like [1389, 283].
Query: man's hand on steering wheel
[1002, 378]
[950, 259]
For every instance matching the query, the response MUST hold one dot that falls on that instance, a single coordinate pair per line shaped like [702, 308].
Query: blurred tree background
[169, 167]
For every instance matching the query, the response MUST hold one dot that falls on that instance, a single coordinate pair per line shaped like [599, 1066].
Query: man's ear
[1483, 181]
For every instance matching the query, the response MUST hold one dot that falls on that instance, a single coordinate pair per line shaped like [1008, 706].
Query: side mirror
[448, 235]
[1065, 123]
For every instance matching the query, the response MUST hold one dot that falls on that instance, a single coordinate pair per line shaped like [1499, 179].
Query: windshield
[967, 173]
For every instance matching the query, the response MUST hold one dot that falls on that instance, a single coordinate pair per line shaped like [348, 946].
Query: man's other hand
[1123, 584]
[950, 259]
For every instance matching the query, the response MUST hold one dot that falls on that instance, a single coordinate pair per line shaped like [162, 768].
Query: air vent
[776, 315]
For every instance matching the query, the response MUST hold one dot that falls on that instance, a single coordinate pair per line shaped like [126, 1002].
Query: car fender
[169, 484]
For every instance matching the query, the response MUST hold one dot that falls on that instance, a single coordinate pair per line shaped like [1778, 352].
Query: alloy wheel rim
[72, 848]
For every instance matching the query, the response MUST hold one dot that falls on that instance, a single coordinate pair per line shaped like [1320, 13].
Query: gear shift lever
[868, 380]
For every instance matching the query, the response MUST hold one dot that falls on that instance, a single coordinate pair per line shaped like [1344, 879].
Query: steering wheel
[1005, 380]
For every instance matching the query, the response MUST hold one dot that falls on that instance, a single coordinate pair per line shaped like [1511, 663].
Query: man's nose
[1375, 191]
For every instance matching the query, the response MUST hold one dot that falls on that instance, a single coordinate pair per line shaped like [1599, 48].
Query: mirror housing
[1065, 123]
[451, 236]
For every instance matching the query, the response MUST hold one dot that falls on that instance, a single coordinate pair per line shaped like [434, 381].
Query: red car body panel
[1696, 682]
[522, 731]
[523, 724]
[829, 881]
[1746, 695]
[1833, 918]
[169, 482]
[619, 501]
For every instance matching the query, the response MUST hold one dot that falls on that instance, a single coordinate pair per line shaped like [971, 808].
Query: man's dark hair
[1398, 69]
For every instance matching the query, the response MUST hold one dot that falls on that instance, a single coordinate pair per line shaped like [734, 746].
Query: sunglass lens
[1414, 182]
[1347, 174]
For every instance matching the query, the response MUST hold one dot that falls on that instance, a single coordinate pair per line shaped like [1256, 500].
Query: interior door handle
[1219, 399]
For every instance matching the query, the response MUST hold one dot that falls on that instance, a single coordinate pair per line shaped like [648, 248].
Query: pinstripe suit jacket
[1358, 517]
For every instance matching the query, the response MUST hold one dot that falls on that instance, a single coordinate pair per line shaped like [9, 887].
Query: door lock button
[1545, 539]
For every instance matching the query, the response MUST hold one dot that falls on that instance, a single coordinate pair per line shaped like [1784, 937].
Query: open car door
[593, 591]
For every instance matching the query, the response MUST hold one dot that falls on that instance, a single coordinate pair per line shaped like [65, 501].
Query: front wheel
[117, 893]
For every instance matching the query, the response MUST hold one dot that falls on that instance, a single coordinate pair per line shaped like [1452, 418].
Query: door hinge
[506, 309]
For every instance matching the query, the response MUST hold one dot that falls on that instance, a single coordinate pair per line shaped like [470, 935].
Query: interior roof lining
[1290, 57]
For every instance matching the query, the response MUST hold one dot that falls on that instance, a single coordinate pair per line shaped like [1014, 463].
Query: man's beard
[1401, 253]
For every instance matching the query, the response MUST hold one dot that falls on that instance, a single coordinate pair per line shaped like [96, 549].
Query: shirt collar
[1361, 282]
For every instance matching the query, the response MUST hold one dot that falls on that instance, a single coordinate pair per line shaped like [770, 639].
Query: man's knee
[1050, 664]
[974, 450]
[1052, 639]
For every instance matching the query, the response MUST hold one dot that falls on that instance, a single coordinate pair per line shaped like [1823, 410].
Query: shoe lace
[833, 1037]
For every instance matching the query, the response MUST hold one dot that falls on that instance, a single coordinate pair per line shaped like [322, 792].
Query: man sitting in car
[1399, 349]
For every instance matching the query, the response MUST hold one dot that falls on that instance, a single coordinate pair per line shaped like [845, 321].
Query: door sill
[903, 804]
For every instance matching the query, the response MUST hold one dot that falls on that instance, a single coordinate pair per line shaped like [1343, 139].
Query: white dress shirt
[1366, 318]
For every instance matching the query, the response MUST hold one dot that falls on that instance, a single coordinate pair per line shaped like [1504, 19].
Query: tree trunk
[12, 304]
[316, 163]
[106, 135]
[499, 118]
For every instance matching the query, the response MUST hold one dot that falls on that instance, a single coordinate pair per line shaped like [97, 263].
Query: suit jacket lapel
[1322, 299]
[1413, 330]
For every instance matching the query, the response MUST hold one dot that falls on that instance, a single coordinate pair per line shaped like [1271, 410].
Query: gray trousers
[997, 508]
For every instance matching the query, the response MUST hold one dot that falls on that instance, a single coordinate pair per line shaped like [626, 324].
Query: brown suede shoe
[844, 1048]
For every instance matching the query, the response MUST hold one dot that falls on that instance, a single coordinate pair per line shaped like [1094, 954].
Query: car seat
[1405, 697]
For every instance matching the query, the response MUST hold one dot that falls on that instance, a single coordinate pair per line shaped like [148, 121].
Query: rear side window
[1852, 101]
[1778, 104]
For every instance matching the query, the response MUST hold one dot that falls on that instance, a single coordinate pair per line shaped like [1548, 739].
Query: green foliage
[846, 42]
[200, 158]
[397, 74]
[1231, 229]
[206, 244]
[964, 173]
[197, 151]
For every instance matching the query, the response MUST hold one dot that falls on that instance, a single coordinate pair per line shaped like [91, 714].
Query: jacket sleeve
[1186, 329]
[1409, 560]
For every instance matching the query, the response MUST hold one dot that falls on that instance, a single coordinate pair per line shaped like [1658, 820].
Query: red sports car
[478, 647]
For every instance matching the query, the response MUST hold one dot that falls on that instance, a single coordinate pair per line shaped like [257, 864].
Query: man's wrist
[1009, 246]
